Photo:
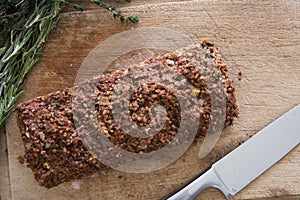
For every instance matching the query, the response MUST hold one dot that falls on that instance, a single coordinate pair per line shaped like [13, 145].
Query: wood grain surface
[260, 38]
[5, 193]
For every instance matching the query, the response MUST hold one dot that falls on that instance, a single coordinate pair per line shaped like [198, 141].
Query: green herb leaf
[78, 7]
[132, 19]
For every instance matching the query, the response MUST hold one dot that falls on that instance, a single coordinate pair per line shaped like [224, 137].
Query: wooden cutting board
[260, 38]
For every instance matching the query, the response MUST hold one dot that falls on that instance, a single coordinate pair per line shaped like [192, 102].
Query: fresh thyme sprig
[116, 12]
[24, 28]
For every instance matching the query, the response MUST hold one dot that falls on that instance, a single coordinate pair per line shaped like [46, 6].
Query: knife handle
[206, 180]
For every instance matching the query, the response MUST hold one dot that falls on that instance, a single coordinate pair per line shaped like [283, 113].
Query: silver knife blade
[241, 166]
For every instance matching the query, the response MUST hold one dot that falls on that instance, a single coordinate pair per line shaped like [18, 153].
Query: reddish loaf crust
[56, 154]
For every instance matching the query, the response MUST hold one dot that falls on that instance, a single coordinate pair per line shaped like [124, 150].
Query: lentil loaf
[56, 153]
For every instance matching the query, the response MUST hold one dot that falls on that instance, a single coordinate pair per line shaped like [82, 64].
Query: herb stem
[18, 4]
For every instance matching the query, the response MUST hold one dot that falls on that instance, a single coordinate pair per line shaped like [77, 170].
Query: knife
[241, 166]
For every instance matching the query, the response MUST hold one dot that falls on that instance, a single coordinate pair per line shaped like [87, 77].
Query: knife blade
[241, 166]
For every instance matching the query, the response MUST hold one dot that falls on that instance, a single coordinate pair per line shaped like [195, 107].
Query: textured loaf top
[56, 153]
